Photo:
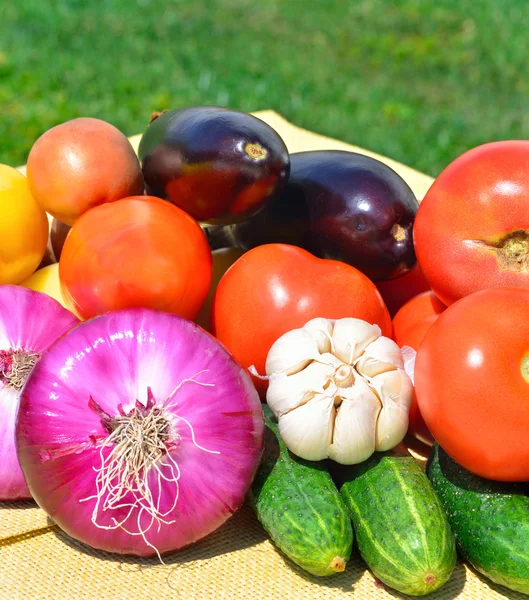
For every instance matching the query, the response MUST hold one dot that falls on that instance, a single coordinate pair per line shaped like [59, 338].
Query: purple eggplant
[338, 205]
[218, 165]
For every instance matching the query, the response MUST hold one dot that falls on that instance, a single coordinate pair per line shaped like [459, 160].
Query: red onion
[29, 322]
[138, 433]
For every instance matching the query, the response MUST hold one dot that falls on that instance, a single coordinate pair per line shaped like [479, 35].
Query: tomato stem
[512, 250]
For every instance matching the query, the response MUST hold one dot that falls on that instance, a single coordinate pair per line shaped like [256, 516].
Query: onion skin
[114, 359]
[31, 321]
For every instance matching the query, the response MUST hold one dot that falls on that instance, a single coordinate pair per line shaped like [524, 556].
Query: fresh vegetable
[410, 325]
[29, 323]
[339, 390]
[400, 526]
[80, 164]
[138, 433]
[472, 382]
[472, 228]
[275, 288]
[413, 320]
[139, 251]
[23, 228]
[46, 280]
[396, 292]
[490, 520]
[216, 164]
[338, 205]
[299, 506]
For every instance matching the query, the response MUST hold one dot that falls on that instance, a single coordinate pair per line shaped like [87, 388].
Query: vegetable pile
[217, 320]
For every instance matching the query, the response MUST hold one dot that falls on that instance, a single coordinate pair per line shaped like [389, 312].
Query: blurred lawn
[418, 80]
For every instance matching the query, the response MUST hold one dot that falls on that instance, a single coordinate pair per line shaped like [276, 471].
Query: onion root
[140, 442]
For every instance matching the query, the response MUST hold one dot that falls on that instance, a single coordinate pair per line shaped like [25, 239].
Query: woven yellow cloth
[238, 562]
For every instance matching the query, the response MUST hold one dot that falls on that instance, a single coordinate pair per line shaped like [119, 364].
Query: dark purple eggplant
[218, 165]
[339, 205]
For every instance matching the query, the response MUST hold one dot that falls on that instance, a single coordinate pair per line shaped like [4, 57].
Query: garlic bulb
[339, 390]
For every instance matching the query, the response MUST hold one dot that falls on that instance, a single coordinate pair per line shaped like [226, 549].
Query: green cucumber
[400, 526]
[490, 520]
[299, 506]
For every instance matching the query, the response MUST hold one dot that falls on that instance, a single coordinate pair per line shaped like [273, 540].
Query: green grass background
[420, 81]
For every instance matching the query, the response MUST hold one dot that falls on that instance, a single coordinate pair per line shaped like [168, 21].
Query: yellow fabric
[238, 562]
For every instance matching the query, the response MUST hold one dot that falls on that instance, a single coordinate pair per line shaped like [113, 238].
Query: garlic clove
[307, 430]
[351, 336]
[330, 360]
[354, 437]
[393, 385]
[380, 356]
[408, 356]
[292, 352]
[321, 330]
[395, 390]
[286, 392]
[392, 426]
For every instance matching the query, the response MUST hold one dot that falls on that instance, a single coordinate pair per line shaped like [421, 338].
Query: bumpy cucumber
[490, 520]
[300, 507]
[401, 529]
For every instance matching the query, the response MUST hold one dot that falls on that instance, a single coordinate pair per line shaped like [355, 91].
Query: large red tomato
[410, 325]
[472, 382]
[139, 251]
[471, 231]
[276, 287]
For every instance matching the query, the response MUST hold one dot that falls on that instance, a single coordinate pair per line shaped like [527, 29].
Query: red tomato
[421, 308]
[396, 292]
[275, 288]
[139, 251]
[472, 382]
[471, 231]
[410, 325]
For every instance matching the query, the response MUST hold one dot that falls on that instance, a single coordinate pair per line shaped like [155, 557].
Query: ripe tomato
[275, 288]
[80, 164]
[472, 382]
[139, 251]
[23, 228]
[410, 325]
[396, 292]
[472, 228]
[409, 318]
